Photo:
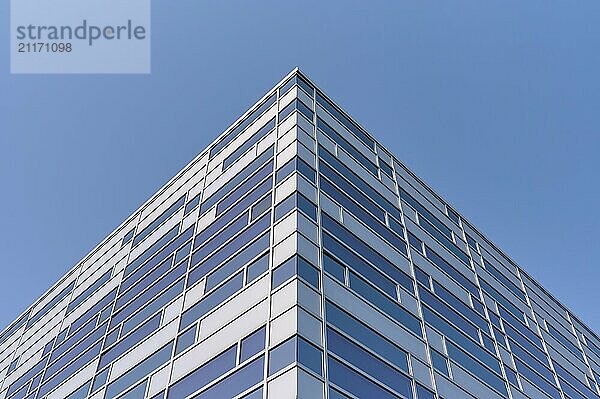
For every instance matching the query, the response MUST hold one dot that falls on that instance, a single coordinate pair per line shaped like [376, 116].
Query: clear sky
[494, 104]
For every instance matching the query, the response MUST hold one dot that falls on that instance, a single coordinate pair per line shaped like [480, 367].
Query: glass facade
[296, 258]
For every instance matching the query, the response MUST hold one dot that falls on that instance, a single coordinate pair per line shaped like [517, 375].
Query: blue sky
[494, 104]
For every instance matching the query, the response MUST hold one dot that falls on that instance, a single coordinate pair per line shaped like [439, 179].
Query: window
[186, 339]
[252, 344]
[292, 350]
[158, 221]
[296, 266]
[192, 203]
[439, 362]
[366, 362]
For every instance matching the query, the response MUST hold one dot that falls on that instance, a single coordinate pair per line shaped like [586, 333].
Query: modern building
[297, 258]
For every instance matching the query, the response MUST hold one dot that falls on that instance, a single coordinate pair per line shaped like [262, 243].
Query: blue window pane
[245, 187]
[228, 187]
[18, 383]
[191, 204]
[308, 272]
[296, 80]
[148, 295]
[424, 393]
[203, 375]
[511, 376]
[366, 336]
[307, 207]
[455, 316]
[185, 340]
[183, 252]
[443, 265]
[385, 304]
[504, 280]
[351, 241]
[284, 272]
[339, 167]
[488, 343]
[257, 268]
[80, 393]
[61, 336]
[387, 169]
[466, 361]
[291, 267]
[70, 369]
[350, 190]
[234, 211]
[75, 351]
[73, 339]
[219, 239]
[256, 137]
[296, 200]
[13, 364]
[293, 106]
[461, 339]
[261, 207]
[540, 364]
[238, 382]
[410, 200]
[472, 243]
[346, 146]
[208, 264]
[362, 267]
[151, 278]
[212, 300]
[439, 362]
[285, 206]
[284, 171]
[371, 365]
[59, 297]
[293, 165]
[93, 311]
[353, 382]
[130, 341]
[158, 221]
[334, 268]
[367, 218]
[89, 291]
[142, 369]
[132, 268]
[478, 306]
[112, 337]
[537, 380]
[310, 356]
[415, 242]
[100, 380]
[127, 237]
[232, 265]
[307, 171]
[335, 394]
[258, 394]
[137, 392]
[565, 341]
[422, 277]
[153, 306]
[252, 344]
[282, 355]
